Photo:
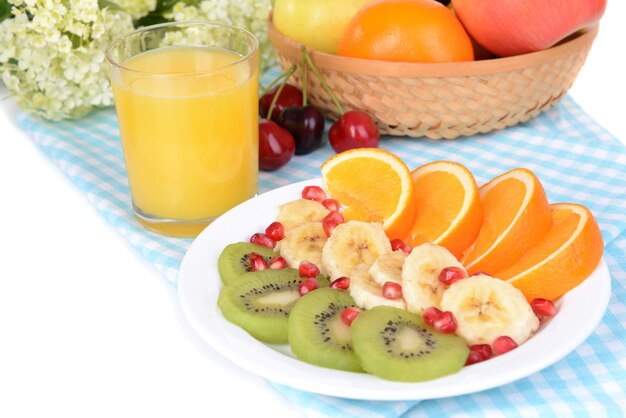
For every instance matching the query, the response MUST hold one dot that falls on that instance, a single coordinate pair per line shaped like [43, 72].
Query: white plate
[199, 286]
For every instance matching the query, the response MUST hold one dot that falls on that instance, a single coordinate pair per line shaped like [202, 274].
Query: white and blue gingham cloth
[576, 160]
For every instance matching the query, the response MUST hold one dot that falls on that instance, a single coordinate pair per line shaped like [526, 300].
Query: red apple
[513, 27]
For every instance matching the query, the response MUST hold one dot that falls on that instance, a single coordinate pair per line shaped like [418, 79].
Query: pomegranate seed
[276, 231]
[398, 244]
[262, 239]
[543, 308]
[334, 216]
[450, 275]
[445, 323]
[349, 314]
[342, 283]
[473, 357]
[307, 286]
[278, 263]
[392, 290]
[331, 204]
[308, 269]
[329, 226]
[503, 344]
[314, 193]
[430, 314]
[478, 353]
[257, 262]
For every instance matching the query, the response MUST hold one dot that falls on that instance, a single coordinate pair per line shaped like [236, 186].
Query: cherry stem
[326, 87]
[275, 81]
[305, 71]
[286, 77]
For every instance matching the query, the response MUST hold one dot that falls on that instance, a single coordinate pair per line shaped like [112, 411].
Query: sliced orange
[372, 185]
[516, 216]
[448, 208]
[567, 255]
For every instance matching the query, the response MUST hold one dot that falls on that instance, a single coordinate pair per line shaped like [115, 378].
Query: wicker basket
[443, 100]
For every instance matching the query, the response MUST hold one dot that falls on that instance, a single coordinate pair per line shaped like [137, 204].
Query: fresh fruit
[308, 285]
[372, 185]
[341, 283]
[430, 314]
[448, 208]
[565, 256]
[276, 231]
[314, 193]
[304, 242]
[420, 276]
[234, 259]
[263, 240]
[305, 124]
[348, 315]
[308, 269]
[300, 211]
[478, 353]
[543, 308]
[406, 31]
[317, 24]
[353, 129]
[277, 262]
[368, 294]
[258, 262]
[331, 204]
[445, 323]
[450, 275]
[398, 244]
[318, 333]
[351, 244]
[276, 146]
[388, 268]
[516, 216]
[392, 290]
[288, 97]
[331, 221]
[486, 308]
[260, 302]
[513, 27]
[504, 344]
[396, 345]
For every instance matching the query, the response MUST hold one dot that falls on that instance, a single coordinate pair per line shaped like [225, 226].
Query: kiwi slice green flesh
[395, 344]
[260, 302]
[316, 333]
[235, 261]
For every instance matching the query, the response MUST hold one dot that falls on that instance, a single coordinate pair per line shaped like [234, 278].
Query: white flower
[136, 8]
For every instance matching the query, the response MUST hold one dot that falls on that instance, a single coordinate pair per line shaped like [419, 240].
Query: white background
[89, 329]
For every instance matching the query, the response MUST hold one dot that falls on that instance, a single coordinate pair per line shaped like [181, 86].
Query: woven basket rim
[291, 48]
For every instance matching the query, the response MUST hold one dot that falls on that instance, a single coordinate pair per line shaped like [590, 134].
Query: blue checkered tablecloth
[576, 160]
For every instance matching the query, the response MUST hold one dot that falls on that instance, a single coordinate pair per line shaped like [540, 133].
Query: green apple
[317, 24]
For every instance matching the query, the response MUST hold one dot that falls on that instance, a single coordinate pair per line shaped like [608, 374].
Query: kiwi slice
[260, 302]
[397, 345]
[235, 261]
[317, 334]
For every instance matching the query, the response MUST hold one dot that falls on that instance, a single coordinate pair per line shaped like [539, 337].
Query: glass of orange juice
[186, 96]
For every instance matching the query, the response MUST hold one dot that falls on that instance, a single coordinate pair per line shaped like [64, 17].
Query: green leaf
[5, 10]
[150, 19]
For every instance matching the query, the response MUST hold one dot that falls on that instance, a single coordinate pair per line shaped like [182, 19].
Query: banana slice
[351, 244]
[388, 268]
[304, 242]
[486, 308]
[420, 284]
[367, 293]
[300, 211]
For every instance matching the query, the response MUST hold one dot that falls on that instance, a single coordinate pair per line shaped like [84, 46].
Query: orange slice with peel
[567, 255]
[372, 185]
[516, 216]
[448, 208]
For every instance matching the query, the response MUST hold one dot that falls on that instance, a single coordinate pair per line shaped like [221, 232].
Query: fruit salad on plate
[409, 276]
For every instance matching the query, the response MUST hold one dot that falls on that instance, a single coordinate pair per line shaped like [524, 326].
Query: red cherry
[257, 262]
[308, 269]
[398, 244]
[503, 344]
[275, 231]
[430, 314]
[354, 129]
[349, 314]
[276, 145]
[445, 323]
[278, 263]
[262, 239]
[543, 308]
[331, 204]
[392, 290]
[314, 193]
[307, 286]
[342, 283]
[290, 96]
[306, 125]
[478, 353]
[450, 275]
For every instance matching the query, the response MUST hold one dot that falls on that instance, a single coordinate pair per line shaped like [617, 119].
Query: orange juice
[188, 122]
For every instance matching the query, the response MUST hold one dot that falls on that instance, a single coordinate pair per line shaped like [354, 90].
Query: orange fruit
[567, 255]
[372, 185]
[448, 209]
[516, 216]
[406, 31]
